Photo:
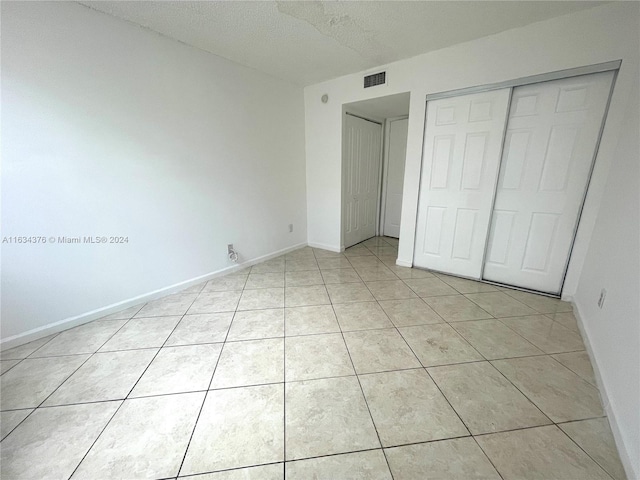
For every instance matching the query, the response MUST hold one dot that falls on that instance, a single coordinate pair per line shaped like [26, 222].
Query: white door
[462, 145]
[360, 178]
[394, 178]
[550, 144]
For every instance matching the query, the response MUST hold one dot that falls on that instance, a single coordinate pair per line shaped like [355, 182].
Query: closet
[504, 177]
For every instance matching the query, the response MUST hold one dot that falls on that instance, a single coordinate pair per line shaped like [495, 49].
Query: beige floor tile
[566, 319]
[390, 290]
[430, 287]
[384, 251]
[375, 242]
[330, 263]
[179, 369]
[464, 285]
[594, 437]
[456, 308]
[494, 339]
[316, 356]
[142, 333]
[407, 273]
[349, 292]
[250, 362]
[215, 302]
[540, 303]
[177, 304]
[273, 265]
[439, 344]
[306, 296]
[201, 328]
[146, 438]
[321, 253]
[379, 351]
[455, 459]
[369, 261]
[125, 314]
[379, 272]
[500, 304]
[369, 465]
[28, 384]
[544, 333]
[300, 253]
[578, 362]
[484, 399]
[6, 365]
[23, 351]
[257, 324]
[274, 471]
[11, 419]
[105, 376]
[197, 288]
[542, 452]
[87, 338]
[325, 417]
[361, 316]
[340, 275]
[52, 441]
[557, 391]
[238, 427]
[300, 265]
[265, 280]
[303, 278]
[412, 311]
[407, 407]
[357, 251]
[226, 283]
[261, 299]
[310, 320]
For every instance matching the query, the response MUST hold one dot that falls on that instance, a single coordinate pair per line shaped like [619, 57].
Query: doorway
[373, 155]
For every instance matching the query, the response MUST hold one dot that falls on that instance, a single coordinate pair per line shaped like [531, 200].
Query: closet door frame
[545, 77]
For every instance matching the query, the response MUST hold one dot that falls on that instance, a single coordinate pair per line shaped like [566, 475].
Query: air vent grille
[375, 79]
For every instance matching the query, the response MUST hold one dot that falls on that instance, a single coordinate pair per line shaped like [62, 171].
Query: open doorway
[374, 142]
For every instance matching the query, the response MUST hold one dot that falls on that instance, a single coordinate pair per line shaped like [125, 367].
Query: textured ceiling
[306, 42]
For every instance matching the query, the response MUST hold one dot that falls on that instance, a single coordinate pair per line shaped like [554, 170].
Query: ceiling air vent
[375, 79]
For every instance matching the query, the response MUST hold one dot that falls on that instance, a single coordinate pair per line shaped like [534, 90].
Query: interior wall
[597, 35]
[613, 263]
[109, 129]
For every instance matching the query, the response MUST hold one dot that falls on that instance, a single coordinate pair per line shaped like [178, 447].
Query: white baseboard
[607, 402]
[59, 326]
[322, 246]
[403, 263]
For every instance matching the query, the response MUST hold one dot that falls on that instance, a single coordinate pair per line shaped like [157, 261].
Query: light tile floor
[312, 365]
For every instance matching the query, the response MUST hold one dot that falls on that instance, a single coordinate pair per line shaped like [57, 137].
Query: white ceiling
[306, 42]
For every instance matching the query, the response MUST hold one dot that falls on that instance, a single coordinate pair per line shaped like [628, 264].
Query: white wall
[588, 37]
[600, 34]
[110, 129]
[613, 263]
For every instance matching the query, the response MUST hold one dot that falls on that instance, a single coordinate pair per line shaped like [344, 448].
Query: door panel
[361, 179]
[396, 153]
[551, 137]
[462, 148]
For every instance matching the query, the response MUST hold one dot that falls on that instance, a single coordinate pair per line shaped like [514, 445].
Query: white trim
[518, 82]
[323, 246]
[59, 326]
[607, 400]
[403, 263]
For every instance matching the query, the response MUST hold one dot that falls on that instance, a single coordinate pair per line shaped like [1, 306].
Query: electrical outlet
[230, 248]
[290, 227]
[603, 295]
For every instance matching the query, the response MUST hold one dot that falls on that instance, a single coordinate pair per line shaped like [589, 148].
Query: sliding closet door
[552, 133]
[463, 140]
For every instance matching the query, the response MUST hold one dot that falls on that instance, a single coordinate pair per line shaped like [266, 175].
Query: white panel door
[552, 132]
[463, 141]
[396, 153]
[360, 179]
